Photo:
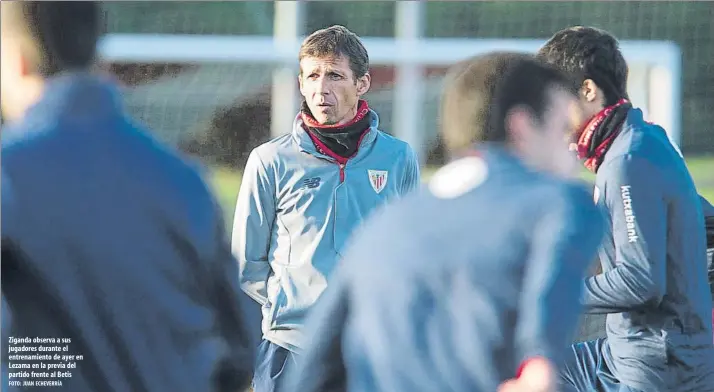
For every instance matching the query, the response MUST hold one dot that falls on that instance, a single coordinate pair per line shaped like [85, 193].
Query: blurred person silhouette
[472, 283]
[109, 238]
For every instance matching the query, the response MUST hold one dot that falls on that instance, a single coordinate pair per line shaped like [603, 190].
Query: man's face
[550, 138]
[330, 88]
[9, 75]
[19, 87]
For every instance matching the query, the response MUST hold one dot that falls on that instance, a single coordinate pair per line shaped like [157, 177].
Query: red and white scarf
[599, 133]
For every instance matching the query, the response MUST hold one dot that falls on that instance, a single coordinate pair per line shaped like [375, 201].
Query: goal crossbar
[160, 48]
[663, 60]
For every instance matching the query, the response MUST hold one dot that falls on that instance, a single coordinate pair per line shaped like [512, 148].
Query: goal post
[654, 79]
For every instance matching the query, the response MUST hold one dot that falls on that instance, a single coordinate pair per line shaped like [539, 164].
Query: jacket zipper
[340, 164]
[321, 149]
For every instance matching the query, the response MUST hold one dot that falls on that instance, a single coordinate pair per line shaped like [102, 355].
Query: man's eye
[335, 77]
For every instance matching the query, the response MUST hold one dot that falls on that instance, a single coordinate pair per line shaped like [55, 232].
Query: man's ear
[518, 124]
[589, 90]
[300, 84]
[15, 58]
[24, 66]
[363, 84]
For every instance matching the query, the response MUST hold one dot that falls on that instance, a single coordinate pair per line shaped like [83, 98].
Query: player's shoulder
[559, 204]
[392, 143]
[577, 193]
[278, 143]
[27, 149]
[20, 137]
[551, 193]
[178, 173]
[636, 167]
[641, 142]
[178, 183]
[275, 150]
[181, 185]
[386, 236]
[621, 160]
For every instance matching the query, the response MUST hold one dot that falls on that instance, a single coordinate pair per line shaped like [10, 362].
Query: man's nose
[322, 86]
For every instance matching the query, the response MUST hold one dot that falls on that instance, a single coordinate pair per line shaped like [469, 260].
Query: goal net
[202, 74]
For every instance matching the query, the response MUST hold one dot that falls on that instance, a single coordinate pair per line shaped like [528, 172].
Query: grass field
[226, 182]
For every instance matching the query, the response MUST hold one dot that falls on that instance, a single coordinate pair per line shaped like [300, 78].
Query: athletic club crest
[378, 179]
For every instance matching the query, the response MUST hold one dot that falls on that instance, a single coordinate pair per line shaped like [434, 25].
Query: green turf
[226, 182]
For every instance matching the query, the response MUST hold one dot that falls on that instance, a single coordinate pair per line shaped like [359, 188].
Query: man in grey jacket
[303, 193]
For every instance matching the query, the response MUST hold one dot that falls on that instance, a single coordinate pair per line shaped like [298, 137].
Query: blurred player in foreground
[654, 282]
[710, 256]
[303, 193]
[108, 238]
[458, 286]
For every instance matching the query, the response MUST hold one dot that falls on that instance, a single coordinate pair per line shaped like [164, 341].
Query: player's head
[41, 39]
[592, 56]
[512, 99]
[334, 74]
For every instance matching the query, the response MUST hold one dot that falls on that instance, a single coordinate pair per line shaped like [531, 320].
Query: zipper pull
[342, 172]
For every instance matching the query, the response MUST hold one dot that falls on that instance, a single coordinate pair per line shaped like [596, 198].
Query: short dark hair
[57, 35]
[337, 41]
[481, 91]
[589, 53]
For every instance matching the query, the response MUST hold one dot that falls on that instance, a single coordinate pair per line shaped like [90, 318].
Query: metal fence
[687, 23]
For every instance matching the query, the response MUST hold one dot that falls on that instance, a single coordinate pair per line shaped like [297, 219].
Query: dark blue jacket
[114, 241]
[452, 287]
[654, 283]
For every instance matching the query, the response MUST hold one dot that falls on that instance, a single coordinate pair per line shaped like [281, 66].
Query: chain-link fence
[220, 93]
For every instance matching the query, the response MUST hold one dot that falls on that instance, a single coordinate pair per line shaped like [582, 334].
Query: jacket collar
[634, 119]
[305, 143]
[497, 156]
[82, 96]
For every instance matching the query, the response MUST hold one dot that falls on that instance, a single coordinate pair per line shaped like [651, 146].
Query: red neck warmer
[598, 134]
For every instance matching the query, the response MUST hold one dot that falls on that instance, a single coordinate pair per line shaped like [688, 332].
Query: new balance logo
[311, 183]
[629, 215]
